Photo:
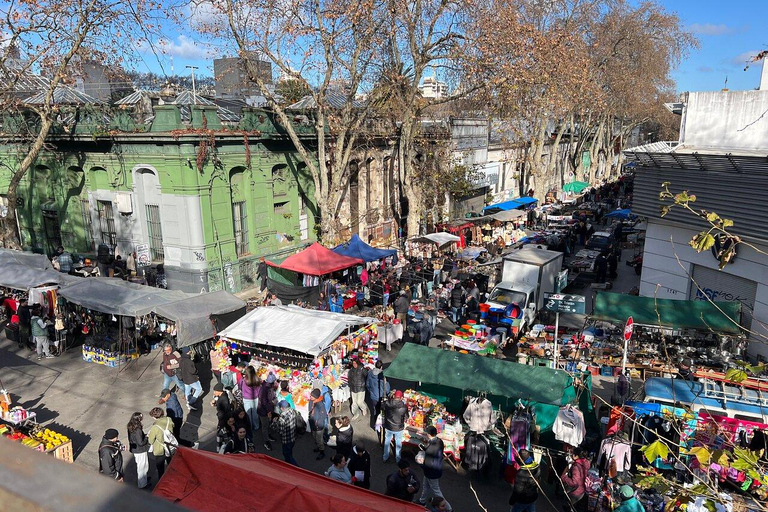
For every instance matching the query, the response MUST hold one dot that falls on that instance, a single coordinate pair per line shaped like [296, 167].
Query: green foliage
[655, 450]
[736, 375]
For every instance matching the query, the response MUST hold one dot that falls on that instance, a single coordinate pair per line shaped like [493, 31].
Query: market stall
[111, 316]
[301, 345]
[20, 425]
[314, 263]
[193, 480]
[454, 376]
[521, 203]
[199, 317]
[358, 249]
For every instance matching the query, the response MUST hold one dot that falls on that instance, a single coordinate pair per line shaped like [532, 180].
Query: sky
[729, 32]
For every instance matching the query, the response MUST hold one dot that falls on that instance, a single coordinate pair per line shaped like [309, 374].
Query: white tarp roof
[303, 330]
[440, 239]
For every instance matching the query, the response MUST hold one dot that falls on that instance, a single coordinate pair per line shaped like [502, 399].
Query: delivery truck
[526, 275]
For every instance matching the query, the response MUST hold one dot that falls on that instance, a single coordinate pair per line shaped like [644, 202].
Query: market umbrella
[575, 187]
[620, 214]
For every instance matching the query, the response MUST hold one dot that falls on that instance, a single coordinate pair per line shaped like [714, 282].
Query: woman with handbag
[342, 429]
[250, 386]
[574, 478]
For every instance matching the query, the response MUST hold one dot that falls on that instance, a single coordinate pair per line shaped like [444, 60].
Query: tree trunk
[11, 235]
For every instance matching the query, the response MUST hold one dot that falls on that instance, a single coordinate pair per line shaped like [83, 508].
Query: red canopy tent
[209, 482]
[317, 260]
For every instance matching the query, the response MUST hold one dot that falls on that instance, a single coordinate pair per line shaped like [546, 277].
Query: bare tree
[328, 49]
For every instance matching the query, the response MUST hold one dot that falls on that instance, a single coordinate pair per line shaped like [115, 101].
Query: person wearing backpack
[162, 440]
[111, 455]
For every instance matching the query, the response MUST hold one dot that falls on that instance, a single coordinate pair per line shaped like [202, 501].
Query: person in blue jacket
[378, 389]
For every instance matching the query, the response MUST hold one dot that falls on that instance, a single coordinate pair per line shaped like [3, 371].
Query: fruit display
[49, 438]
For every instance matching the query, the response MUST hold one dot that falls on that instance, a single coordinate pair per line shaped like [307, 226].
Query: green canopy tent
[454, 375]
[722, 317]
[575, 187]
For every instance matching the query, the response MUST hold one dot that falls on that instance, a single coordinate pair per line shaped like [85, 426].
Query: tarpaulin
[679, 314]
[118, 297]
[440, 239]
[514, 204]
[22, 277]
[194, 316]
[208, 482]
[356, 248]
[303, 330]
[293, 293]
[29, 259]
[317, 260]
[453, 374]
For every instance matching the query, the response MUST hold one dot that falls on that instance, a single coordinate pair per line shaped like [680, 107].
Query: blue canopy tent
[514, 204]
[621, 214]
[356, 248]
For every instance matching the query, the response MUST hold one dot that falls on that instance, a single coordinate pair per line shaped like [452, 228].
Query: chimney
[764, 75]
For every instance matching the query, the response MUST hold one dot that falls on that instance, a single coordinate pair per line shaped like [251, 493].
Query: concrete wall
[726, 119]
[665, 278]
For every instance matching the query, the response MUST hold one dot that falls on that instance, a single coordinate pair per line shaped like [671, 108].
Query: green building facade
[208, 201]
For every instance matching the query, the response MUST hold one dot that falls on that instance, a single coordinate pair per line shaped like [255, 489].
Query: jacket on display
[569, 426]
[479, 415]
[477, 451]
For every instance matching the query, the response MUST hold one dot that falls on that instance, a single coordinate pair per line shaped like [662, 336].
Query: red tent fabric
[317, 260]
[209, 482]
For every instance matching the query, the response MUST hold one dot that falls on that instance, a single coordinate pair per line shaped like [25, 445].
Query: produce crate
[63, 452]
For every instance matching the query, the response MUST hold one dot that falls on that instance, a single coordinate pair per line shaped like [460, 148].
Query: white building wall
[665, 277]
[725, 119]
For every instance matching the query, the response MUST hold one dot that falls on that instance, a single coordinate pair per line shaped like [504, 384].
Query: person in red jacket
[574, 478]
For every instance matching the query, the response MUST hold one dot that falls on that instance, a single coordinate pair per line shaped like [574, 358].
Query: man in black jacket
[221, 402]
[433, 468]
[525, 492]
[402, 484]
[395, 413]
[192, 387]
[401, 307]
[356, 379]
[457, 302]
[111, 455]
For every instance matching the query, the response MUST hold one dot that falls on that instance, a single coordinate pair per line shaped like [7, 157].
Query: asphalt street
[81, 400]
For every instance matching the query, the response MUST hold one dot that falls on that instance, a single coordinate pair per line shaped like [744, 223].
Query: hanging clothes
[477, 451]
[617, 450]
[479, 415]
[569, 426]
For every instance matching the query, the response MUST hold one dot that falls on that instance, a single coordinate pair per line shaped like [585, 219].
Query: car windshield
[598, 241]
[507, 296]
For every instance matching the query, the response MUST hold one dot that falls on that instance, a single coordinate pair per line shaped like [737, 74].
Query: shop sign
[562, 281]
[561, 303]
[142, 256]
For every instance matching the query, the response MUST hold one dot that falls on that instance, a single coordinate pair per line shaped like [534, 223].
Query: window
[155, 231]
[240, 218]
[107, 223]
[87, 224]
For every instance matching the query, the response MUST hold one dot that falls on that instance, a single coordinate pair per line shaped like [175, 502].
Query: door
[52, 231]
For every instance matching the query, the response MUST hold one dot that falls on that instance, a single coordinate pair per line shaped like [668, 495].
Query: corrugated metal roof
[64, 95]
[184, 99]
[334, 101]
[135, 97]
[654, 147]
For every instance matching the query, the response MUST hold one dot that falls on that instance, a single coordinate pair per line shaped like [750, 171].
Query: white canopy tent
[302, 330]
[440, 239]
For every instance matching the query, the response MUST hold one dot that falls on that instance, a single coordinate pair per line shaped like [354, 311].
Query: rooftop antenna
[172, 72]
[194, 90]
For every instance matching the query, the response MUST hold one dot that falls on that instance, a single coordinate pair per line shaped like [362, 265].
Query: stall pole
[557, 328]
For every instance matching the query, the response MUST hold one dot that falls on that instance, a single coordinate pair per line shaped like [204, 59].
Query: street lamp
[194, 91]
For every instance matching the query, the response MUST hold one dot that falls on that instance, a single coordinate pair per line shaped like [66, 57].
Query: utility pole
[194, 90]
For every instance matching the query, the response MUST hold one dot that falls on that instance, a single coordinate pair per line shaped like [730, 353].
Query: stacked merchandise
[474, 337]
[425, 411]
